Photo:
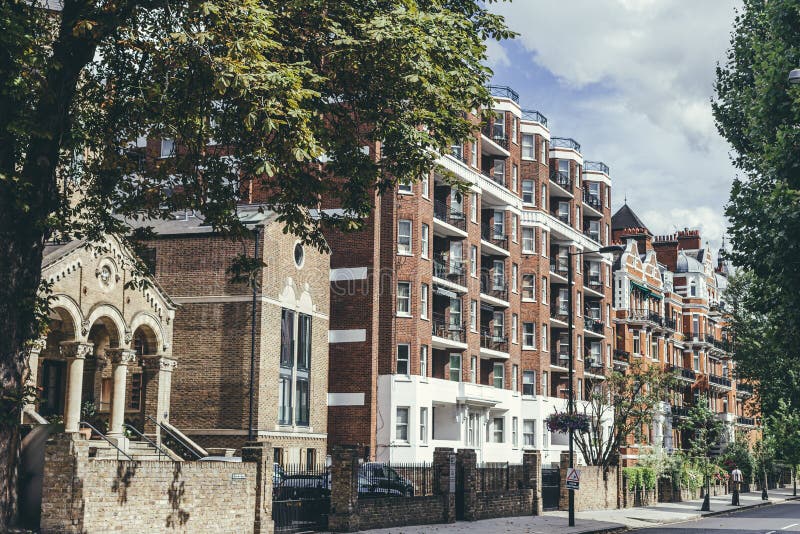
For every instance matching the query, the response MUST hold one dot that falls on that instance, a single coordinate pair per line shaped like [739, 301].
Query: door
[53, 384]
[551, 489]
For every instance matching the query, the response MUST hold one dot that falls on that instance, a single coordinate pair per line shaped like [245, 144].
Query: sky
[632, 82]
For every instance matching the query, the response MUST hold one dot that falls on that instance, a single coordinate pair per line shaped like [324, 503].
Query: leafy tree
[625, 402]
[758, 112]
[705, 433]
[280, 86]
[784, 428]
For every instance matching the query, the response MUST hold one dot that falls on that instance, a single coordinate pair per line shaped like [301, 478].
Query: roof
[626, 218]
[187, 222]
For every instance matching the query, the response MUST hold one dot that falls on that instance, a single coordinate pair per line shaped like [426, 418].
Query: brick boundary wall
[599, 490]
[85, 495]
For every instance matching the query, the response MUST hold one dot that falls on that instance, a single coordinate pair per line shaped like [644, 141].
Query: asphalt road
[777, 519]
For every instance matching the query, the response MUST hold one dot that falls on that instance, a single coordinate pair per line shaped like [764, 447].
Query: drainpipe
[251, 433]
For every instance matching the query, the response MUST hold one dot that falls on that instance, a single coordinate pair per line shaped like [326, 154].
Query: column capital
[121, 356]
[75, 349]
[160, 363]
[37, 345]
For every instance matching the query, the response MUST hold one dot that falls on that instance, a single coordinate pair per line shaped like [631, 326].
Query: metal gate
[459, 491]
[301, 498]
[551, 488]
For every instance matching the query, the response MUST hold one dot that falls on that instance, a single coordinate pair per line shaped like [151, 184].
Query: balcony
[498, 240]
[560, 358]
[746, 421]
[453, 217]
[494, 288]
[496, 178]
[593, 281]
[683, 374]
[558, 316]
[721, 344]
[655, 318]
[447, 330]
[503, 91]
[560, 266]
[622, 356]
[744, 389]
[535, 116]
[561, 179]
[670, 324]
[597, 166]
[593, 235]
[721, 381]
[452, 271]
[592, 325]
[492, 341]
[565, 142]
[679, 411]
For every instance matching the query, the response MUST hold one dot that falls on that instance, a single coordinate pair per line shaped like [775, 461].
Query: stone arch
[151, 326]
[145, 341]
[68, 312]
[288, 296]
[305, 303]
[110, 316]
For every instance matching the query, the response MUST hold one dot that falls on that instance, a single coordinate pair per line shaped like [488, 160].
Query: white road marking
[771, 532]
[789, 526]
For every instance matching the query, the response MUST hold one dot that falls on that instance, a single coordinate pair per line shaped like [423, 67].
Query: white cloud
[496, 55]
[635, 81]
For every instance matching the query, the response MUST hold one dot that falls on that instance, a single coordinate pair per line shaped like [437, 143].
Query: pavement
[682, 517]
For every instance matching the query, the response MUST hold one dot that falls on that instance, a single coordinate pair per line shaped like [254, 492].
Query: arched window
[693, 288]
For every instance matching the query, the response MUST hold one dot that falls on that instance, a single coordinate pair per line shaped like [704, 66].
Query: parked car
[303, 486]
[380, 479]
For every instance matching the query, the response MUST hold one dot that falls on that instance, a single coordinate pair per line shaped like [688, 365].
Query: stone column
[532, 463]
[343, 516]
[467, 463]
[31, 375]
[563, 502]
[446, 480]
[120, 358]
[261, 453]
[75, 353]
[158, 387]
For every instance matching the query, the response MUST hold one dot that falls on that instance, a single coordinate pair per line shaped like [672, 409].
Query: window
[544, 290]
[514, 130]
[543, 155]
[498, 322]
[403, 353]
[514, 276]
[579, 393]
[405, 188]
[654, 348]
[529, 383]
[473, 369]
[499, 171]
[473, 260]
[473, 207]
[303, 402]
[514, 319]
[544, 243]
[285, 399]
[457, 151]
[499, 274]
[578, 303]
[456, 204]
[544, 337]
[528, 287]
[528, 241]
[304, 341]
[424, 240]
[528, 194]
[473, 315]
[167, 147]
[498, 375]
[474, 154]
[425, 184]
[514, 377]
[579, 347]
[578, 217]
[543, 200]
[455, 311]
[514, 430]
[455, 367]
[472, 429]
[563, 295]
[287, 338]
[499, 125]
[528, 335]
[499, 226]
[545, 435]
[404, 237]
[695, 325]
[135, 398]
[497, 429]
[528, 150]
[404, 298]
[423, 425]
[456, 257]
[401, 424]
[514, 177]
[693, 288]
[636, 342]
[563, 211]
[529, 433]
[545, 391]
[514, 225]
[696, 361]
[423, 301]
[423, 360]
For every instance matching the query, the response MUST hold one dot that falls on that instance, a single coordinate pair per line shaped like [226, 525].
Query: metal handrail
[596, 166]
[148, 440]
[533, 115]
[107, 440]
[173, 436]
[565, 142]
[503, 91]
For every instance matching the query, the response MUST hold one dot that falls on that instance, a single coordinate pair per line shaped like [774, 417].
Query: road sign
[573, 478]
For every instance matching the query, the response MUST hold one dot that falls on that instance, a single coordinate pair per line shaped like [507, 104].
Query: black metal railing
[452, 270]
[560, 358]
[682, 372]
[494, 288]
[744, 388]
[498, 179]
[748, 421]
[499, 240]
[396, 479]
[679, 411]
[561, 178]
[535, 116]
[104, 438]
[490, 340]
[301, 497]
[592, 200]
[723, 381]
[559, 265]
[503, 91]
[188, 451]
[593, 280]
[447, 329]
[622, 356]
[671, 324]
[558, 313]
[445, 213]
[565, 142]
[596, 166]
[655, 318]
[594, 236]
[593, 326]
[494, 477]
[160, 450]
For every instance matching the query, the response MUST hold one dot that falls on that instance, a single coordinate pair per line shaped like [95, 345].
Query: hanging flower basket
[563, 422]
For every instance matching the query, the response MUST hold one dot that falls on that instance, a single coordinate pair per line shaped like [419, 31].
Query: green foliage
[738, 455]
[640, 477]
[783, 427]
[758, 112]
[704, 427]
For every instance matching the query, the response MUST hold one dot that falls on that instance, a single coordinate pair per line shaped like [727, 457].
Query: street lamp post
[570, 393]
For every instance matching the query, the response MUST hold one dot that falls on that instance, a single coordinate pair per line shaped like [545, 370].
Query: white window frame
[515, 432]
[423, 360]
[460, 367]
[543, 337]
[405, 188]
[526, 425]
[514, 278]
[425, 182]
[526, 146]
[169, 144]
[531, 192]
[407, 359]
[529, 335]
[404, 298]
[514, 177]
[398, 425]
[515, 378]
[424, 241]
[514, 227]
[531, 374]
[473, 315]
[532, 278]
[514, 321]
[502, 377]
[529, 240]
[498, 430]
[543, 197]
[423, 425]
[473, 369]
[403, 248]
[473, 207]
[423, 301]
[473, 260]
